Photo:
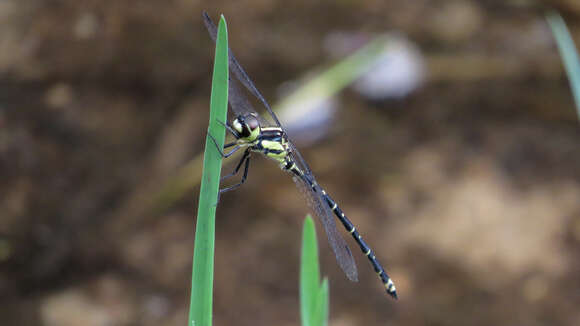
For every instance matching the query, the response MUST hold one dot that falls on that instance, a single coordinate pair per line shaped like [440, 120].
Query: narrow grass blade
[200, 309]
[568, 53]
[313, 296]
[322, 304]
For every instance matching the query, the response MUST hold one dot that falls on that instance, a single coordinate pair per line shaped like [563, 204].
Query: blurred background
[463, 174]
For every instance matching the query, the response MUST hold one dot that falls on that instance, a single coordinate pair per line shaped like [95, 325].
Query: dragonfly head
[247, 126]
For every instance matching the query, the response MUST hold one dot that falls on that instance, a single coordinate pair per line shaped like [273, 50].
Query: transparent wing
[239, 72]
[337, 243]
[240, 104]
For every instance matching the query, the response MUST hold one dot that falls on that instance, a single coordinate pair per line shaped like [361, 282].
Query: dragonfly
[254, 134]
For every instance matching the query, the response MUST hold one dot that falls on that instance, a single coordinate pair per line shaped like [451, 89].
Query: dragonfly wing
[337, 243]
[238, 101]
[238, 71]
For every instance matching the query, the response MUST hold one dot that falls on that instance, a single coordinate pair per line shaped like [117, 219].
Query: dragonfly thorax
[247, 127]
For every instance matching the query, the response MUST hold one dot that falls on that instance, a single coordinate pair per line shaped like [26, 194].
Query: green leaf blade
[568, 53]
[200, 310]
[322, 304]
[313, 296]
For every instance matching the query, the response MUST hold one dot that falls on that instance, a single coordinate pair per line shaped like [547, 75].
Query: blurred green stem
[568, 52]
[313, 295]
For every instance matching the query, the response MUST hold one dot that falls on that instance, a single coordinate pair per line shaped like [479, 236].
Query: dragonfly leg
[229, 128]
[237, 169]
[225, 155]
[246, 158]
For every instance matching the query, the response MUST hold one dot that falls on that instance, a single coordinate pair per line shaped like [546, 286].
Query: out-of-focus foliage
[313, 294]
[569, 54]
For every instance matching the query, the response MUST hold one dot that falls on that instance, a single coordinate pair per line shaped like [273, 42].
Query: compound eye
[252, 122]
[238, 124]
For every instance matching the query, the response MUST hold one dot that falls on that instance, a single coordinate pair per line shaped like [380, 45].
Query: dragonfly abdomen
[364, 247]
[350, 228]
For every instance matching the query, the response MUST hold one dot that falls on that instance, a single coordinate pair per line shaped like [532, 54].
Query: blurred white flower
[399, 71]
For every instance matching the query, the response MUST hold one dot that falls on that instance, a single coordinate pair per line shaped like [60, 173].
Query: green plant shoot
[313, 295]
[200, 309]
